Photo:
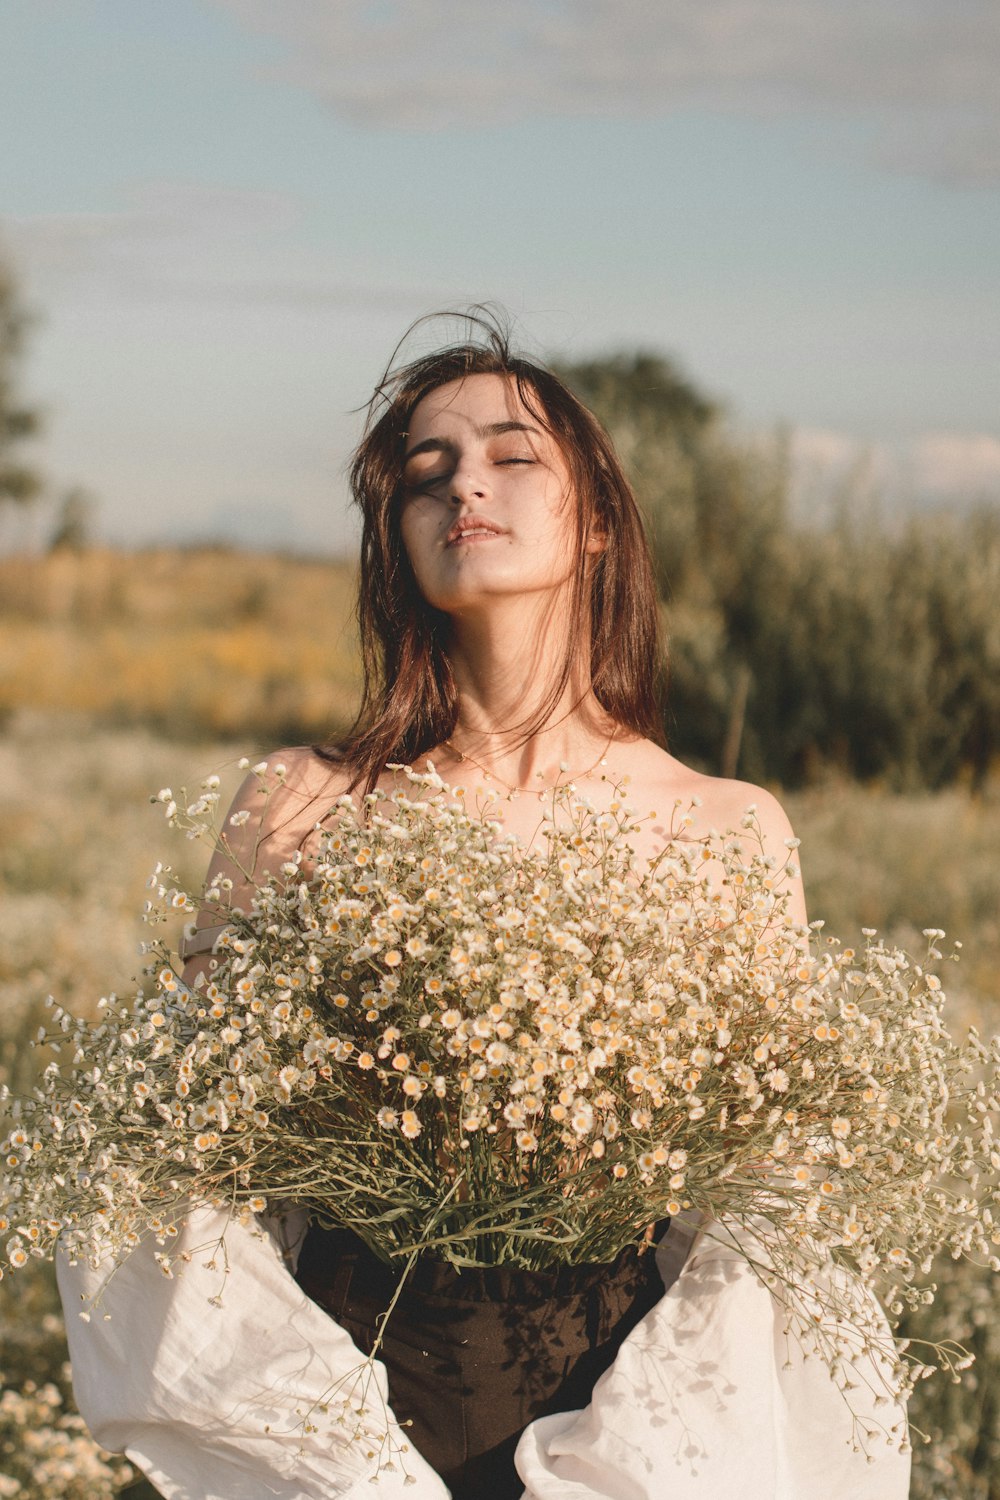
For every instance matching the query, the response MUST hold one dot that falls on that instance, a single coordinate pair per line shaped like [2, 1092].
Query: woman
[509, 624]
[509, 632]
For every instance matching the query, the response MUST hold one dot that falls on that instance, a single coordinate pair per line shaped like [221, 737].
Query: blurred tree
[795, 648]
[660, 424]
[71, 531]
[19, 483]
[717, 516]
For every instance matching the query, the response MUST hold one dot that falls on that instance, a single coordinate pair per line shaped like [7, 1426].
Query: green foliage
[798, 648]
[882, 653]
[19, 483]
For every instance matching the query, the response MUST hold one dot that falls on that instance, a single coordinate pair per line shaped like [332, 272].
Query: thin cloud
[160, 220]
[935, 467]
[966, 463]
[920, 77]
[180, 242]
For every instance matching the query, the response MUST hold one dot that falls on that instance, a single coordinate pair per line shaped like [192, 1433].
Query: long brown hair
[409, 700]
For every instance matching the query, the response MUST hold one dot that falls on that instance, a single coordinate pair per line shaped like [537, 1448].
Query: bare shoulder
[725, 803]
[272, 815]
[280, 801]
[720, 803]
[717, 804]
[303, 772]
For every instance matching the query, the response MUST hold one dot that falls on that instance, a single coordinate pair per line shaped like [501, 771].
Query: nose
[467, 484]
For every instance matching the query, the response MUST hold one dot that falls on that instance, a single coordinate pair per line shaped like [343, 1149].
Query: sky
[226, 213]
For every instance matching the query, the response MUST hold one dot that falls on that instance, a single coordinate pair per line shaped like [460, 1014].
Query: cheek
[417, 533]
[411, 532]
[558, 518]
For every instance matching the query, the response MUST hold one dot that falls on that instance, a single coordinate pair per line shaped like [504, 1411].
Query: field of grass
[117, 679]
[194, 644]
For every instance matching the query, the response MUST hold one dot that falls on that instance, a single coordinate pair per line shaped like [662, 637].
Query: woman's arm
[225, 1381]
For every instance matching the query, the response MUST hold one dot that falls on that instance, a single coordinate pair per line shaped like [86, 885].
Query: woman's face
[488, 506]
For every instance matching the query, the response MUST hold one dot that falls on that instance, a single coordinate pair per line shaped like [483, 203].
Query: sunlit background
[760, 237]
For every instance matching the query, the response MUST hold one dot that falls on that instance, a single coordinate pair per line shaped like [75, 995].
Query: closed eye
[423, 486]
[432, 481]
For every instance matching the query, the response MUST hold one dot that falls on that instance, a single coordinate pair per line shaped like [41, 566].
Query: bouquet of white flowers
[463, 1048]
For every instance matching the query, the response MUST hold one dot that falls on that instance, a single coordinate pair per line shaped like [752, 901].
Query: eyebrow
[492, 429]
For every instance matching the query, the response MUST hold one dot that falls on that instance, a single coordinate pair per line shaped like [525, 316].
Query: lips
[474, 526]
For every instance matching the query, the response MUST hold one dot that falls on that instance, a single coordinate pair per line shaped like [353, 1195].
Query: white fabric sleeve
[706, 1400]
[209, 1400]
[709, 1400]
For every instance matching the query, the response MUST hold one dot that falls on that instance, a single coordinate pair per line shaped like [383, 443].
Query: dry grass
[901, 863]
[78, 838]
[194, 644]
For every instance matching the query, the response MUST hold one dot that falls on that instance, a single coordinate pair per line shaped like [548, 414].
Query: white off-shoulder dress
[213, 1382]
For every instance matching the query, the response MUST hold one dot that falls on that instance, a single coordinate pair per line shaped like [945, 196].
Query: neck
[502, 661]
